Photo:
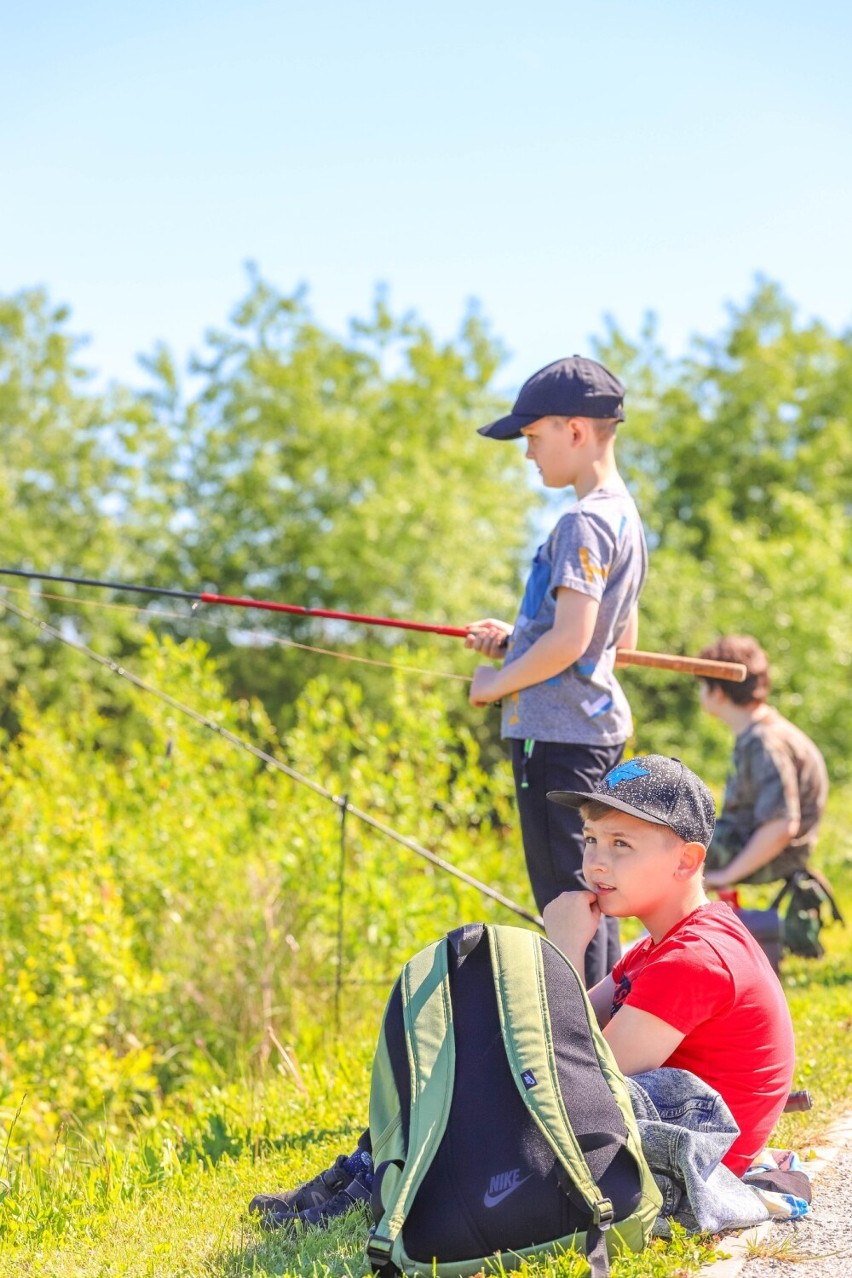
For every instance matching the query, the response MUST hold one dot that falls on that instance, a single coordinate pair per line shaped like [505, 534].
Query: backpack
[501, 1126]
[803, 920]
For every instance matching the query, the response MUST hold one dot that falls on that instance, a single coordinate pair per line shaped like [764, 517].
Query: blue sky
[555, 161]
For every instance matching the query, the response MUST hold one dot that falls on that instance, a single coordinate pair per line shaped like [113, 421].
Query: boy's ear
[574, 428]
[691, 860]
[579, 428]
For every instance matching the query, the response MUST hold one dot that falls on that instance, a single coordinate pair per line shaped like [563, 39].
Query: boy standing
[563, 709]
[776, 792]
[696, 994]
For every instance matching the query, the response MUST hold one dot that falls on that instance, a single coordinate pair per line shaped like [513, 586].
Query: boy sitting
[777, 789]
[696, 994]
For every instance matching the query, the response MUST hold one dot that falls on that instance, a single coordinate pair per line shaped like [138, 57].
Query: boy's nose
[594, 860]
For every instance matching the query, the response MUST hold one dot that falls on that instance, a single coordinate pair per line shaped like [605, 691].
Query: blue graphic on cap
[630, 771]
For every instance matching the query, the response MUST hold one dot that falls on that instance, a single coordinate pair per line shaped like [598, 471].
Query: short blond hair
[596, 810]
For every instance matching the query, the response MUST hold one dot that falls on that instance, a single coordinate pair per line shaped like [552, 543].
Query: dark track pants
[553, 835]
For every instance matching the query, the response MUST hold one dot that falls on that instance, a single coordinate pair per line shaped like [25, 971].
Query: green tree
[343, 474]
[741, 458]
[167, 907]
[82, 483]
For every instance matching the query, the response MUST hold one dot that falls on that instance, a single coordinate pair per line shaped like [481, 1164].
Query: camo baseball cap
[656, 789]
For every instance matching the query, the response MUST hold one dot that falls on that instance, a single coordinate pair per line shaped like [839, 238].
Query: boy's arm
[554, 651]
[571, 920]
[766, 842]
[640, 1040]
[767, 783]
[600, 997]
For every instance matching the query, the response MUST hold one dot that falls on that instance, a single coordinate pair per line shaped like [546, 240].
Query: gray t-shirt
[597, 548]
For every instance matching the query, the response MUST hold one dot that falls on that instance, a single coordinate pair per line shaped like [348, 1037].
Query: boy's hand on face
[489, 637]
[571, 921]
[481, 693]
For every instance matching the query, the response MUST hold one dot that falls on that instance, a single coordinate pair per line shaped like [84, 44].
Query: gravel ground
[821, 1242]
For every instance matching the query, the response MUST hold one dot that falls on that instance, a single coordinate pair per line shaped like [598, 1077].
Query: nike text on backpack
[500, 1122]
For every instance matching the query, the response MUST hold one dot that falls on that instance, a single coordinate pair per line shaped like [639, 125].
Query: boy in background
[777, 789]
[564, 711]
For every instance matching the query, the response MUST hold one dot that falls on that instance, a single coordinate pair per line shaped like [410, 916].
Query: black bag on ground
[767, 928]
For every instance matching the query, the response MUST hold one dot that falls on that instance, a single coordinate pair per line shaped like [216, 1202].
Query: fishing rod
[270, 759]
[238, 601]
[733, 671]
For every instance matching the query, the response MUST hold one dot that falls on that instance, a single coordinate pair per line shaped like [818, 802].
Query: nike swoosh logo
[491, 1200]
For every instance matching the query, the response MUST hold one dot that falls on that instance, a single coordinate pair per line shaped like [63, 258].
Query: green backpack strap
[824, 889]
[518, 968]
[428, 1020]
[521, 1000]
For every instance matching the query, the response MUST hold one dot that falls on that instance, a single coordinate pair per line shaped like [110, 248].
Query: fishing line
[241, 601]
[342, 803]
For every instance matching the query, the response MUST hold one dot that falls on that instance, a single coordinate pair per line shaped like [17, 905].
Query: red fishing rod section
[236, 601]
[458, 632]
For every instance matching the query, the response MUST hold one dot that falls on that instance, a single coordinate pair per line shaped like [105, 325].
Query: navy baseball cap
[653, 788]
[574, 387]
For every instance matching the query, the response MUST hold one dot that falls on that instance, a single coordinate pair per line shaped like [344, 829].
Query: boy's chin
[611, 910]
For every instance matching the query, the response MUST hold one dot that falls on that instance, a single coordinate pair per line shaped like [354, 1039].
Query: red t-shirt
[710, 979]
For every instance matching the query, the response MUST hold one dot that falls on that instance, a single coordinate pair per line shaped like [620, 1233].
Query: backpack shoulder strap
[428, 1020]
[525, 1023]
[518, 967]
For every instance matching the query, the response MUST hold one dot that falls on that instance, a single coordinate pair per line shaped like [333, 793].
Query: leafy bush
[183, 908]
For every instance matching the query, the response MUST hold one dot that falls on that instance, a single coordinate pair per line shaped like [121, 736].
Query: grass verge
[168, 1199]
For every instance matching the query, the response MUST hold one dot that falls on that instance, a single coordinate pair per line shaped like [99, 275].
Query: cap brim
[574, 799]
[507, 427]
[510, 427]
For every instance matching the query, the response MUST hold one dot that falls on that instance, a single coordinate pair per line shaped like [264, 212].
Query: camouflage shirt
[777, 772]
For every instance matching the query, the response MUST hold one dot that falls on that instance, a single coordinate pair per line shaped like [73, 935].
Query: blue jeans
[686, 1129]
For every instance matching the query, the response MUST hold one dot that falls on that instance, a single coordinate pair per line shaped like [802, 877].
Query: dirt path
[820, 1243]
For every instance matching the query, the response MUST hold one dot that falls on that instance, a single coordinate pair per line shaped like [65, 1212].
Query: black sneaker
[277, 1209]
[355, 1195]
